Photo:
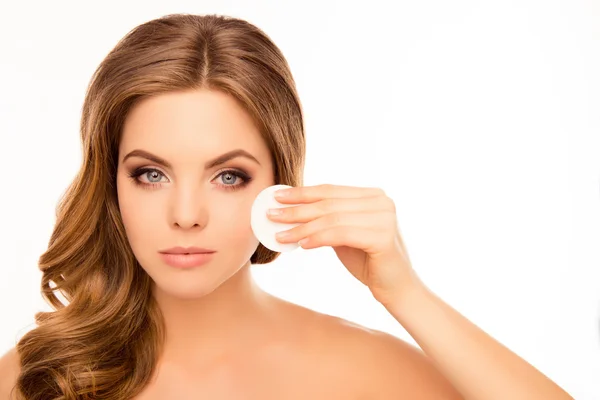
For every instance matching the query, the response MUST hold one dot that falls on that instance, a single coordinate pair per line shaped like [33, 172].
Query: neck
[234, 316]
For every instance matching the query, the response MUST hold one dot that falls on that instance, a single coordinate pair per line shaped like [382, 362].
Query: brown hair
[105, 342]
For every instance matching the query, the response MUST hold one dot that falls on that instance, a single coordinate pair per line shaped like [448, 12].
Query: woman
[183, 124]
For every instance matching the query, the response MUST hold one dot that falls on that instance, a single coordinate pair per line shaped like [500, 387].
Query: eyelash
[141, 171]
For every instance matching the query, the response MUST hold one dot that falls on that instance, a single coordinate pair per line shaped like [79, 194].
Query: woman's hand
[361, 226]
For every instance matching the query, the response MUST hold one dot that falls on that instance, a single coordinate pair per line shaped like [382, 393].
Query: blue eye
[230, 174]
[152, 172]
[245, 178]
[231, 177]
[145, 171]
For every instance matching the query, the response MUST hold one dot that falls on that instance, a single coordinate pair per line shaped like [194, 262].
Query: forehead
[193, 122]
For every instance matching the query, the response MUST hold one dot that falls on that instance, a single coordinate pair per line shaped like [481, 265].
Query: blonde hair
[105, 342]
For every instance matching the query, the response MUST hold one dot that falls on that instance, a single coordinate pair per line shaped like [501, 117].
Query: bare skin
[304, 355]
[298, 353]
[227, 338]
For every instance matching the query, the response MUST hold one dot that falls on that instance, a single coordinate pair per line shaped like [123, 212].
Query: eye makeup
[232, 174]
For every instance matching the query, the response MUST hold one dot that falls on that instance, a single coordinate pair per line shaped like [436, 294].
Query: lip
[186, 250]
[186, 260]
[186, 257]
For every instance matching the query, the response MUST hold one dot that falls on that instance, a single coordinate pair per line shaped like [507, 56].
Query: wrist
[405, 295]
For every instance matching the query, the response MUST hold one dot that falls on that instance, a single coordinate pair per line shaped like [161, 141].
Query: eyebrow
[222, 159]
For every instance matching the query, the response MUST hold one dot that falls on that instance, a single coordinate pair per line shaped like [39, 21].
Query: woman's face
[183, 200]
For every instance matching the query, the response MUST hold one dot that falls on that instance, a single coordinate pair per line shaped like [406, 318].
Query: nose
[189, 208]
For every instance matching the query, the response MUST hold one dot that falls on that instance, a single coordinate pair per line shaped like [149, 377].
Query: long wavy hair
[104, 341]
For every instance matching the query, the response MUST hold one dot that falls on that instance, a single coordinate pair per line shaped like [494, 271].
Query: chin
[185, 286]
[189, 284]
[187, 292]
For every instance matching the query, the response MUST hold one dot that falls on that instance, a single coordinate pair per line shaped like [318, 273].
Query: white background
[480, 119]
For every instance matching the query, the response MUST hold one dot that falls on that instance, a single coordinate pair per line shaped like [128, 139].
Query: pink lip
[186, 260]
[186, 257]
[186, 250]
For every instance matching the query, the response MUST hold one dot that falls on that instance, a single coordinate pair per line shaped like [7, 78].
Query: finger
[352, 236]
[371, 221]
[310, 194]
[308, 212]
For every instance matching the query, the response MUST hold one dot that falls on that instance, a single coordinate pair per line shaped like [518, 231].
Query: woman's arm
[360, 224]
[476, 364]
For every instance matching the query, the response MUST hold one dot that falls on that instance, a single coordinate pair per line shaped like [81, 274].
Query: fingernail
[274, 211]
[282, 193]
[282, 235]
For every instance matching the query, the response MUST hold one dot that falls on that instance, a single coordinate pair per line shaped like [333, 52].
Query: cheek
[231, 217]
[139, 215]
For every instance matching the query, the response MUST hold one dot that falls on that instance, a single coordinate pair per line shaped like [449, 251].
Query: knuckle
[290, 212]
[377, 191]
[327, 188]
[335, 218]
[387, 204]
[392, 222]
[327, 205]
[391, 204]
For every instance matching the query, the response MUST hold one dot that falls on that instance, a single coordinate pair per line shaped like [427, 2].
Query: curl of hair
[104, 341]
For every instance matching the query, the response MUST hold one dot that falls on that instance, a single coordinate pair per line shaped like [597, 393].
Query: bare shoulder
[391, 367]
[9, 371]
[381, 365]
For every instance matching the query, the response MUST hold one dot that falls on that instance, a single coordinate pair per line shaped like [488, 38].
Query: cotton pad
[265, 229]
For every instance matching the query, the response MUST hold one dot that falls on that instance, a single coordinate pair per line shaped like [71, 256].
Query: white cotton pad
[265, 229]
